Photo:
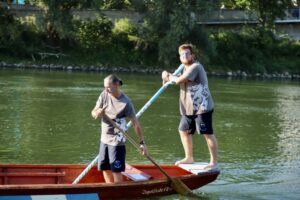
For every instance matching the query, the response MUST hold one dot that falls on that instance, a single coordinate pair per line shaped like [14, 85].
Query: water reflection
[45, 118]
[288, 113]
[254, 136]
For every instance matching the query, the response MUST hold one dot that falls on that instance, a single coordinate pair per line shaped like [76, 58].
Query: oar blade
[181, 188]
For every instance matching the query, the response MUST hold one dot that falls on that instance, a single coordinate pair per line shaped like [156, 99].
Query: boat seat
[135, 174]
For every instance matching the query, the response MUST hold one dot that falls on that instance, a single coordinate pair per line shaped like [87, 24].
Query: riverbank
[114, 69]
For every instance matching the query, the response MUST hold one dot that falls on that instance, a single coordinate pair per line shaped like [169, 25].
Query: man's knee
[183, 132]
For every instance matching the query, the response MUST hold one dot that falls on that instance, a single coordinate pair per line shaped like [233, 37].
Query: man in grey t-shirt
[117, 106]
[196, 105]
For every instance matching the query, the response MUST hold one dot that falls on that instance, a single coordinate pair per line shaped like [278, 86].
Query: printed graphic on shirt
[121, 122]
[205, 94]
[195, 92]
[199, 94]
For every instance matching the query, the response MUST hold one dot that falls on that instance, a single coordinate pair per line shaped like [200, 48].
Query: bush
[125, 34]
[236, 51]
[253, 51]
[93, 34]
[16, 39]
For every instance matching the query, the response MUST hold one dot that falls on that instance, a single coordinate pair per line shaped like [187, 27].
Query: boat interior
[20, 174]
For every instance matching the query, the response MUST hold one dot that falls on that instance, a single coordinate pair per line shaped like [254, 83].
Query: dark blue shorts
[202, 123]
[111, 158]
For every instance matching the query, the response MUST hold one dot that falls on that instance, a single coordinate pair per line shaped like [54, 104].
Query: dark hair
[114, 79]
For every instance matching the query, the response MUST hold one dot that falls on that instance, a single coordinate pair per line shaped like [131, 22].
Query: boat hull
[93, 183]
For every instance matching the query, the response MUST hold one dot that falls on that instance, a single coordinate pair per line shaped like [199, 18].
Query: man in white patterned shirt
[196, 105]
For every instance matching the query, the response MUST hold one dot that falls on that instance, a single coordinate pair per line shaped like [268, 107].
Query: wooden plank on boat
[196, 168]
[32, 174]
[135, 174]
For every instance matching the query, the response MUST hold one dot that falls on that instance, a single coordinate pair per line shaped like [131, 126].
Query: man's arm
[97, 112]
[167, 76]
[138, 130]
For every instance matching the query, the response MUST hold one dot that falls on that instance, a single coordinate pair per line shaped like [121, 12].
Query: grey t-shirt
[117, 109]
[195, 97]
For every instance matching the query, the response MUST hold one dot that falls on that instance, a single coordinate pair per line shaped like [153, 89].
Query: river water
[45, 118]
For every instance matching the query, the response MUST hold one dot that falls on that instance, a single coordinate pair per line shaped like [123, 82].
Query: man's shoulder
[124, 97]
[103, 94]
[194, 65]
[197, 64]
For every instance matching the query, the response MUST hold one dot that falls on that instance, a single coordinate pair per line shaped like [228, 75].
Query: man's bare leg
[187, 142]
[213, 150]
[108, 176]
[117, 177]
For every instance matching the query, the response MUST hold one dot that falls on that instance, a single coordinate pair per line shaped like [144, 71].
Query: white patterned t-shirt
[117, 109]
[195, 97]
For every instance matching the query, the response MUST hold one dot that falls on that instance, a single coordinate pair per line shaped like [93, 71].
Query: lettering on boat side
[157, 190]
[90, 196]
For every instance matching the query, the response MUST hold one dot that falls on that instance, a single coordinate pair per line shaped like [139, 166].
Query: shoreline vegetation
[57, 40]
[115, 69]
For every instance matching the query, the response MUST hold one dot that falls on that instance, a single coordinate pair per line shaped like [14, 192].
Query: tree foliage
[166, 25]
[93, 34]
[247, 51]
[174, 23]
[236, 4]
[268, 10]
[115, 4]
[15, 38]
[57, 19]
[9, 35]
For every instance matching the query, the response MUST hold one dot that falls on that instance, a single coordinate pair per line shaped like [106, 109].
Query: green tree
[92, 34]
[91, 4]
[57, 19]
[137, 5]
[16, 39]
[9, 34]
[268, 10]
[175, 22]
[115, 4]
[236, 4]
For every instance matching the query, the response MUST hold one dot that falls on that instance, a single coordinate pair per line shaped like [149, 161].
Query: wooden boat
[33, 181]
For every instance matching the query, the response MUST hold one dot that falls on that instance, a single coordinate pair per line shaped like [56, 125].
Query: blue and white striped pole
[129, 124]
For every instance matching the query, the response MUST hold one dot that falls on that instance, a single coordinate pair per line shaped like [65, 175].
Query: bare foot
[210, 166]
[185, 161]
